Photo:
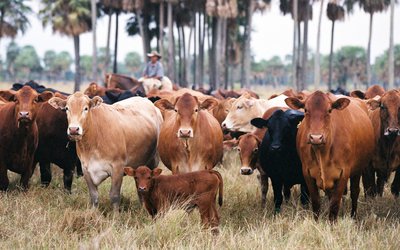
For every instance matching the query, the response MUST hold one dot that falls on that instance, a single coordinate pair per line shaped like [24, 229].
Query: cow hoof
[277, 210]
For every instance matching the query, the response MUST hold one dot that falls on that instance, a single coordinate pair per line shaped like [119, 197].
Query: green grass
[49, 218]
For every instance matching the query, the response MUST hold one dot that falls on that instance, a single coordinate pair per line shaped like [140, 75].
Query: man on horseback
[154, 68]
[153, 74]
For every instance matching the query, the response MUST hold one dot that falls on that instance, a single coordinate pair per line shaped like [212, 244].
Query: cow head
[248, 153]
[222, 109]
[317, 108]
[187, 108]
[389, 105]
[77, 107]
[143, 177]
[26, 100]
[280, 126]
[239, 114]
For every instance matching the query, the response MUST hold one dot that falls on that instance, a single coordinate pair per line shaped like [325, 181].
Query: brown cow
[19, 133]
[385, 120]
[190, 137]
[335, 142]
[196, 189]
[374, 90]
[110, 137]
[221, 110]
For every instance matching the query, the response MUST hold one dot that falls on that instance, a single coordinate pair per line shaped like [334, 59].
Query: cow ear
[8, 95]
[209, 104]
[95, 102]
[157, 171]
[358, 94]
[164, 104]
[340, 103]
[129, 171]
[248, 103]
[373, 104]
[230, 144]
[57, 103]
[259, 122]
[294, 103]
[45, 96]
[295, 117]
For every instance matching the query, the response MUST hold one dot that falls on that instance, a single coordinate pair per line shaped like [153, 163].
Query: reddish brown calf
[196, 189]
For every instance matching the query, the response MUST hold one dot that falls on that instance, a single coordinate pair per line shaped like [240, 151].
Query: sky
[272, 34]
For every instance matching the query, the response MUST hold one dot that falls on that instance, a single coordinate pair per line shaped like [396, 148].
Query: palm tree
[371, 7]
[317, 70]
[94, 41]
[334, 12]
[391, 47]
[13, 17]
[71, 18]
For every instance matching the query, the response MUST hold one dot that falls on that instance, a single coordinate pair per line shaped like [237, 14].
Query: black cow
[340, 91]
[36, 86]
[278, 154]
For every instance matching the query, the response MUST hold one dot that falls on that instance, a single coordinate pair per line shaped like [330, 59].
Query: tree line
[181, 26]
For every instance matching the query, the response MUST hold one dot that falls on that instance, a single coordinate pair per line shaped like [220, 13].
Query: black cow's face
[280, 126]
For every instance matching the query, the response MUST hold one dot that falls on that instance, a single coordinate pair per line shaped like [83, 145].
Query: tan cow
[246, 108]
[110, 137]
[190, 138]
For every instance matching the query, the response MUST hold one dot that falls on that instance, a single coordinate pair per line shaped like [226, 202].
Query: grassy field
[49, 218]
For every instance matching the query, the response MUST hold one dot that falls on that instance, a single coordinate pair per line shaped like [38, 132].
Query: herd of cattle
[315, 139]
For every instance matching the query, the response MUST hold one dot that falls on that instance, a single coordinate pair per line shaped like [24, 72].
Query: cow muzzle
[275, 147]
[316, 139]
[185, 133]
[392, 131]
[142, 189]
[24, 117]
[246, 171]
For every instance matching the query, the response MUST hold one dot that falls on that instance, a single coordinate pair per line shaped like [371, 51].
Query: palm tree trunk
[115, 67]
[179, 56]
[107, 63]
[299, 69]
[194, 50]
[331, 57]
[188, 62]
[247, 51]
[222, 53]
[77, 64]
[1, 22]
[202, 34]
[184, 75]
[171, 54]
[94, 55]
[161, 34]
[142, 31]
[294, 56]
[212, 57]
[391, 47]
[369, 77]
[317, 72]
[305, 49]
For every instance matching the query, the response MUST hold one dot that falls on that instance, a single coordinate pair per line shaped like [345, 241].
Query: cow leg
[336, 198]
[355, 191]
[303, 194]
[286, 192]
[25, 179]
[94, 194]
[68, 177]
[214, 219]
[368, 179]
[264, 188]
[204, 214]
[78, 165]
[116, 183]
[3, 178]
[380, 182]
[45, 173]
[278, 197]
[395, 187]
[314, 195]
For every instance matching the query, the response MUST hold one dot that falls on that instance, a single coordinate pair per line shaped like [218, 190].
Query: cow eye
[86, 109]
[239, 107]
[66, 109]
[36, 100]
[382, 106]
[196, 110]
[176, 110]
[330, 110]
[255, 150]
[305, 110]
[238, 149]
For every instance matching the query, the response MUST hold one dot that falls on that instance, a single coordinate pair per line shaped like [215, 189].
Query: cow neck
[151, 197]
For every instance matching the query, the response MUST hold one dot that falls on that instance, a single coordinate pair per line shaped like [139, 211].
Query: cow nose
[73, 130]
[24, 114]
[224, 125]
[392, 131]
[141, 189]
[185, 133]
[316, 139]
[275, 147]
[246, 171]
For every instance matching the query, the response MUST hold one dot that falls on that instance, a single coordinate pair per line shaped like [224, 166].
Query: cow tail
[220, 187]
